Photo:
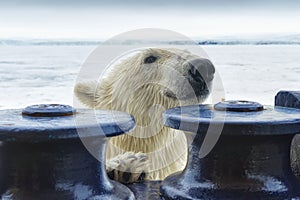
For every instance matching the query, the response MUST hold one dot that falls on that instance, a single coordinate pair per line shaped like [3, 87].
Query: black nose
[201, 70]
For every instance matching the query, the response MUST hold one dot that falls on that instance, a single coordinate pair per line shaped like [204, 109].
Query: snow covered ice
[46, 73]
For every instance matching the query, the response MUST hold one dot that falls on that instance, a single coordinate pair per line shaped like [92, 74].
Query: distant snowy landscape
[44, 71]
[273, 39]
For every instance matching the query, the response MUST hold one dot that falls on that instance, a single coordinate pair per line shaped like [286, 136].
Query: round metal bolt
[48, 110]
[239, 106]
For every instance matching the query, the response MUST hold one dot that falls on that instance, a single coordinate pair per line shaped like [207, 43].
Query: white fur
[139, 89]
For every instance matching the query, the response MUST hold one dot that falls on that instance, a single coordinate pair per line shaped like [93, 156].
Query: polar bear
[144, 85]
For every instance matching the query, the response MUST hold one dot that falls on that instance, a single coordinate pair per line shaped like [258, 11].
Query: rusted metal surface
[44, 158]
[251, 159]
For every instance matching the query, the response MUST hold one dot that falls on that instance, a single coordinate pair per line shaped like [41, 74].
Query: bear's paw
[128, 167]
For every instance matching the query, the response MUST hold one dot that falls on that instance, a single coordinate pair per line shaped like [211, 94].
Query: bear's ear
[86, 93]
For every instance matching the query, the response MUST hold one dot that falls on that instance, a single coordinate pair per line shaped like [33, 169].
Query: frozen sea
[31, 74]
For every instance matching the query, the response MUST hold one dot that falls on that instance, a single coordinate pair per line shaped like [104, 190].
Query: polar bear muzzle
[200, 76]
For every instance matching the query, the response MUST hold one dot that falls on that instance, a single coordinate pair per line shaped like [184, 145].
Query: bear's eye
[150, 59]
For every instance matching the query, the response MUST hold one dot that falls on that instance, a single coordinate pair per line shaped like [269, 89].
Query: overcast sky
[99, 19]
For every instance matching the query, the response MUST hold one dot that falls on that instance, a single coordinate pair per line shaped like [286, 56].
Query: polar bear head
[144, 84]
[153, 76]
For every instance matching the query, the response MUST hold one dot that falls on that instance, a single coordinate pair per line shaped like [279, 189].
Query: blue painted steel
[42, 156]
[291, 99]
[270, 121]
[288, 99]
[251, 159]
[17, 127]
